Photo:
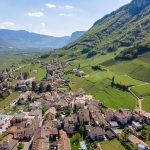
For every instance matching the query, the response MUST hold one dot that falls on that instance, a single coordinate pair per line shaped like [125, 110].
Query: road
[138, 98]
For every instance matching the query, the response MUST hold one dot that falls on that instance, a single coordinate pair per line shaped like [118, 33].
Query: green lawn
[41, 73]
[8, 100]
[143, 90]
[111, 145]
[146, 104]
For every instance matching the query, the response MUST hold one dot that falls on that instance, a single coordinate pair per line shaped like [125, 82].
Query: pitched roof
[136, 140]
[63, 142]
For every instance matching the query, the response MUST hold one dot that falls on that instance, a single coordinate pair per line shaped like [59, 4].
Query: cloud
[50, 5]
[67, 7]
[43, 24]
[6, 24]
[65, 15]
[35, 14]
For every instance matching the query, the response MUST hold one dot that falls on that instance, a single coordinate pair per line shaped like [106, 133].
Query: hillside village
[48, 116]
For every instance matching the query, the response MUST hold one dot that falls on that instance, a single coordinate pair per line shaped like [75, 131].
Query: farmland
[8, 100]
[30, 68]
[98, 83]
[142, 90]
[146, 104]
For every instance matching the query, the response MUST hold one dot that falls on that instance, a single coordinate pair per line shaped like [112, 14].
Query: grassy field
[143, 90]
[112, 145]
[98, 83]
[126, 80]
[146, 104]
[8, 100]
[148, 143]
[137, 68]
[41, 73]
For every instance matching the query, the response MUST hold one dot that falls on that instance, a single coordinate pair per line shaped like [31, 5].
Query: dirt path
[138, 98]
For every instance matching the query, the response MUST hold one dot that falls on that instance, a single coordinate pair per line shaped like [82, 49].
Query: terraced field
[98, 83]
[142, 90]
[8, 100]
[146, 104]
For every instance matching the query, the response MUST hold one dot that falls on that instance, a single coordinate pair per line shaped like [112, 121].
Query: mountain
[4, 44]
[76, 35]
[128, 27]
[24, 40]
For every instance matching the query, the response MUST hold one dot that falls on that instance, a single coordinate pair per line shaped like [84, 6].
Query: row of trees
[41, 88]
[118, 85]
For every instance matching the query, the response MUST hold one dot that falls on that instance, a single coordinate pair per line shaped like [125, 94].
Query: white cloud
[67, 7]
[43, 24]
[50, 5]
[6, 24]
[35, 14]
[65, 15]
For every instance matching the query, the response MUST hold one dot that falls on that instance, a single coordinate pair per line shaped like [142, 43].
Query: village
[48, 116]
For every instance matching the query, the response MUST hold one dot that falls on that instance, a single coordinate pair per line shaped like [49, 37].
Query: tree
[26, 75]
[113, 80]
[68, 112]
[79, 66]
[34, 86]
[75, 139]
[41, 88]
[49, 88]
[92, 146]
[81, 130]
[44, 111]
[20, 146]
[123, 137]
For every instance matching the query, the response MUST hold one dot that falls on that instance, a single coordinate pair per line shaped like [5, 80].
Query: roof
[97, 130]
[133, 139]
[53, 131]
[110, 134]
[113, 123]
[99, 119]
[84, 115]
[52, 110]
[9, 142]
[41, 144]
[143, 113]
[122, 114]
[12, 129]
[63, 142]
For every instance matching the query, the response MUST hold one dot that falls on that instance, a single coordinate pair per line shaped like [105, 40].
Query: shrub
[85, 50]
[91, 54]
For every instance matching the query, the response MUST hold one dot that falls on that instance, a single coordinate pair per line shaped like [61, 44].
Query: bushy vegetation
[91, 54]
[133, 52]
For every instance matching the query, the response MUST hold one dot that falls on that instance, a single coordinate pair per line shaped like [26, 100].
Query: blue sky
[54, 17]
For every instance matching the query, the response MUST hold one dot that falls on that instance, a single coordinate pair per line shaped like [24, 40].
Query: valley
[89, 90]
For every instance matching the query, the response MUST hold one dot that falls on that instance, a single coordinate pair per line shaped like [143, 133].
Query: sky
[54, 17]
